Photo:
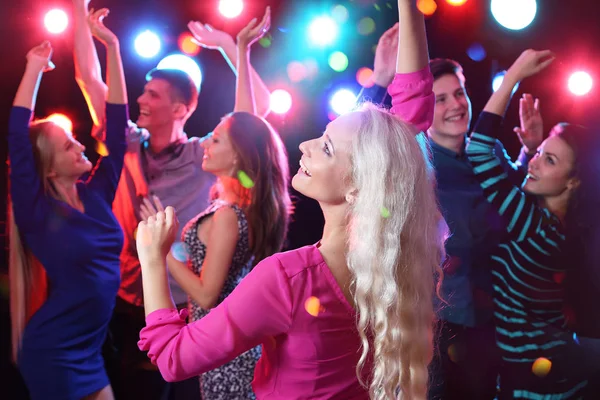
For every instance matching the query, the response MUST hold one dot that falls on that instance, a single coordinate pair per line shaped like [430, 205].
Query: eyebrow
[330, 142]
[553, 155]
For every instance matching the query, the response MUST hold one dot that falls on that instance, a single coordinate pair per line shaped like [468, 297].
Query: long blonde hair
[396, 247]
[28, 284]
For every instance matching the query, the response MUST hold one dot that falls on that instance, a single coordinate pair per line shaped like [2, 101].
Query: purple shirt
[176, 177]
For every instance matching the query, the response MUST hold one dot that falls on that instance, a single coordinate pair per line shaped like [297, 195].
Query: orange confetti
[541, 367]
[313, 306]
[101, 149]
[188, 45]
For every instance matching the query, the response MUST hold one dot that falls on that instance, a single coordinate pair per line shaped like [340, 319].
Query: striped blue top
[527, 275]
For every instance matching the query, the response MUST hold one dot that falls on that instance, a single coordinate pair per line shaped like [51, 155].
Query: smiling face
[325, 166]
[157, 108]
[549, 172]
[452, 114]
[220, 157]
[66, 158]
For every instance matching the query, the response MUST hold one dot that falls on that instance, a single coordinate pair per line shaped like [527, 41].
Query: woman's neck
[66, 190]
[557, 205]
[231, 191]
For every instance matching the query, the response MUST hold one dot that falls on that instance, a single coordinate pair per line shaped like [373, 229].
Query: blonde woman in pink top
[350, 317]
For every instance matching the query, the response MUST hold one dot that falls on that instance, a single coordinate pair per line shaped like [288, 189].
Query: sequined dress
[233, 380]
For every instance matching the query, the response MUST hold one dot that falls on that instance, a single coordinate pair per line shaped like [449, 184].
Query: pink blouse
[291, 304]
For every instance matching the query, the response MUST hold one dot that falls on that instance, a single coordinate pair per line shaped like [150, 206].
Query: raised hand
[252, 32]
[385, 57]
[150, 207]
[101, 32]
[39, 57]
[155, 236]
[207, 36]
[531, 132]
[530, 62]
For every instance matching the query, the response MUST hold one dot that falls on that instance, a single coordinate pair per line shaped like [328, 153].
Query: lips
[304, 169]
[531, 176]
[455, 118]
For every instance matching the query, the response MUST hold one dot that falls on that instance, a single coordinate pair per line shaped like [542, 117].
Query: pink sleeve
[413, 99]
[258, 308]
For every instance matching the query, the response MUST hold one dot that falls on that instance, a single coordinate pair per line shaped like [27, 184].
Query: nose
[304, 148]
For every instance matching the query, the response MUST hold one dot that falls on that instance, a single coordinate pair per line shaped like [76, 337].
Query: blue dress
[61, 355]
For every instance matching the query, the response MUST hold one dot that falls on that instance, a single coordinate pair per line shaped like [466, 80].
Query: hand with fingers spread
[208, 37]
[39, 57]
[531, 132]
[150, 207]
[101, 32]
[385, 57]
[253, 32]
[529, 63]
[155, 236]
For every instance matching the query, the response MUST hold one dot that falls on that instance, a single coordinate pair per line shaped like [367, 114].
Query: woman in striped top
[529, 267]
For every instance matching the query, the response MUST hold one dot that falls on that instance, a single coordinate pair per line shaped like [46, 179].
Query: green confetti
[385, 213]
[245, 180]
[377, 7]
[389, 5]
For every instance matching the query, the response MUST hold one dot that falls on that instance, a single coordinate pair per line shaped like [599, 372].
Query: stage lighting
[497, 81]
[231, 8]
[338, 61]
[514, 14]
[281, 101]
[147, 44]
[61, 120]
[185, 64]
[323, 31]
[343, 101]
[580, 83]
[56, 21]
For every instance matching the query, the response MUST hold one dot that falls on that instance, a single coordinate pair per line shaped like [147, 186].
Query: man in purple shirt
[160, 161]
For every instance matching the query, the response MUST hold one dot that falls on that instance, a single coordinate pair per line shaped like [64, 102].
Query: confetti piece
[245, 180]
[265, 42]
[385, 213]
[366, 26]
[180, 252]
[312, 306]
[377, 7]
[541, 367]
[101, 149]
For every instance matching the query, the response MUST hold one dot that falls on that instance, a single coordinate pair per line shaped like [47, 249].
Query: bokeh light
[476, 52]
[456, 3]
[343, 101]
[541, 367]
[187, 45]
[281, 101]
[147, 44]
[61, 120]
[323, 31]
[366, 26]
[364, 76]
[427, 7]
[231, 8]
[580, 83]
[338, 61]
[56, 21]
[498, 79]
[296, 71]
[185, 64]
[101, 148]
[340, 13]
[514, 14]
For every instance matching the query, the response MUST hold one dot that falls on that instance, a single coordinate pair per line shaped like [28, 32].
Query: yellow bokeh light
[427, 7]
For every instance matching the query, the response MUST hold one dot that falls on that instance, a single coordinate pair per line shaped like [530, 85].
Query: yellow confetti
[313, 306]
[385, 213]
[101, 149]
[245, 180]
[541, 367]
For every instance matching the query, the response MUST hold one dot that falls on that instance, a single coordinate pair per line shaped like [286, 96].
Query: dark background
[569, 28]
